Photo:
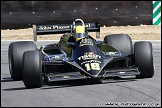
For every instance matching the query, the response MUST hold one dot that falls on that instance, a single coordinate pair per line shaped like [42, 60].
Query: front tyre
[15, 55]
[143, 56]
[32, 69]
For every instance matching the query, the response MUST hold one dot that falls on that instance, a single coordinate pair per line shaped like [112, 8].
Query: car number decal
[92, 66]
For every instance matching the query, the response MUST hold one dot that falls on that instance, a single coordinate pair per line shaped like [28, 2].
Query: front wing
[129, 71]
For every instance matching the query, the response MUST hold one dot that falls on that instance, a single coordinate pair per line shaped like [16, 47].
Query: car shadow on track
[7, 79]
[84, 82]
[71, 83]
[11, 89]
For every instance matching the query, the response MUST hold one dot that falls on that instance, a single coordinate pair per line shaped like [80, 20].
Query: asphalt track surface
[123, 92]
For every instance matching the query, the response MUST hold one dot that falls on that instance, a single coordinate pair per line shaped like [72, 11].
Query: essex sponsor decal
[93, 64]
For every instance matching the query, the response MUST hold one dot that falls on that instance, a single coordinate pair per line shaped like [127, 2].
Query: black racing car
[78, 56]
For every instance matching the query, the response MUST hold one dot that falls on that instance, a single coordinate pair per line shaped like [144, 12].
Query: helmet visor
[79, 35]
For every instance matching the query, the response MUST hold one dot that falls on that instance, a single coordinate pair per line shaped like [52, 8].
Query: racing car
[78, 55]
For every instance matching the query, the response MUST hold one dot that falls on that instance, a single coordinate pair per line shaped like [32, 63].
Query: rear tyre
[32, 69]
[143, 56]
[121, 42]
[15, 55]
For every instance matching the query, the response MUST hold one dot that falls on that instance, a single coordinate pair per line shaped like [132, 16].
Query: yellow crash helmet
[79, 32]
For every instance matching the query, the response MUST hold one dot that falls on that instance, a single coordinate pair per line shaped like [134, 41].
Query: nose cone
[90, 62]
[88, 56]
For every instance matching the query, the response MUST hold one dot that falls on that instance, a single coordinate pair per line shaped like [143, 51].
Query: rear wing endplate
[63, 28]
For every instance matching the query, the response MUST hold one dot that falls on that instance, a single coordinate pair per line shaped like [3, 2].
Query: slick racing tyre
[121, 42]
[143, 56]
[15, 54]
[32, 69]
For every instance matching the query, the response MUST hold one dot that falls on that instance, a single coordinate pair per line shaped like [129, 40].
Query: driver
[79, 32]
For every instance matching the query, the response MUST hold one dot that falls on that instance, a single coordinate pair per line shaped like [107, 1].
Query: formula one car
[78, 55]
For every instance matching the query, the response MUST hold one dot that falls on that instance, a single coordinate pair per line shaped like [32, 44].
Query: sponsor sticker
[89, 55]
[85, 41]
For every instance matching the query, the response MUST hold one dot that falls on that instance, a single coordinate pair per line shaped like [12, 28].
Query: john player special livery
[78, 55]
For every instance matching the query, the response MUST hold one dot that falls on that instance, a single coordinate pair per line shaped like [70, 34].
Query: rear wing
[63, 28]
